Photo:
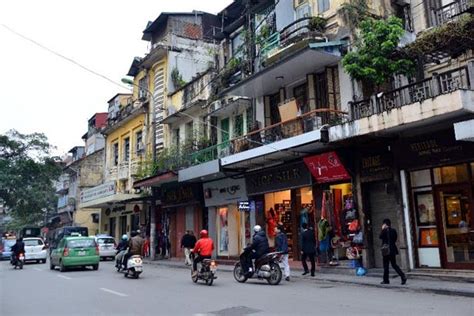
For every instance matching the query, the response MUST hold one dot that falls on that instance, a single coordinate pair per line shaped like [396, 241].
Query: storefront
[123, 219]
[439, 174]
[231, 215]
[181, 210]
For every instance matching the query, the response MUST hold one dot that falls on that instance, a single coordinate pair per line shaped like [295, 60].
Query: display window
[223, 231]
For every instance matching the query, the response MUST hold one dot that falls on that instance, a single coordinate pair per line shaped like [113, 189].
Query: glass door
[455, 207]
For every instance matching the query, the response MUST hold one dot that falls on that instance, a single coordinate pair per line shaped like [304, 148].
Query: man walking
[389, 238]
[308, 248]
[281, 244]
[187, 244]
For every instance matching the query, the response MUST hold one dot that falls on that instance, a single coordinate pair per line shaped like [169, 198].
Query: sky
[41, 92]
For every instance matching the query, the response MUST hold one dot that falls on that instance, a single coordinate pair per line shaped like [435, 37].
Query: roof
[162, 19]
[134, 67]
[118, 94]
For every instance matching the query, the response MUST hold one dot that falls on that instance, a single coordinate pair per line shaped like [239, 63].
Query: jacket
[389, 236]
[260, 244]
[308, 242]
[204, 247]
[122, 246]
[18, 247]
[281, 243]
[188, 241]
[136, 245]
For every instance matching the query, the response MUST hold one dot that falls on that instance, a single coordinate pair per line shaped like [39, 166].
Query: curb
[317, 277]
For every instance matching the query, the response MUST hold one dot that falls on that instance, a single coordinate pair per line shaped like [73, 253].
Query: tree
[374, 61]
[27, 172]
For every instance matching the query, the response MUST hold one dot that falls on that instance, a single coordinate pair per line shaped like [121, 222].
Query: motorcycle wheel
[239, 275]
[194, 277]
[275, 274]
[136, 275]
[210, 281]
[20, 265]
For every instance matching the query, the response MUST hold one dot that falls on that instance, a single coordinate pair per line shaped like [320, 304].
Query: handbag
[385, 249]
[352, 253]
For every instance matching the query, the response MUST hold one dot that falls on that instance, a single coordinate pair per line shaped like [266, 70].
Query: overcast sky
[39, 91]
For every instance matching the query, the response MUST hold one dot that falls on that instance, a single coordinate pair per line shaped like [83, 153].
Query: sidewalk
[347, 276]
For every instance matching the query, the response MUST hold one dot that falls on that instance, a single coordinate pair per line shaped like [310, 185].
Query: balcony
[451, 10]
[124, 115]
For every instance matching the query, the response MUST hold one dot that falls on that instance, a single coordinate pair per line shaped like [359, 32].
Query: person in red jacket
[203, 249]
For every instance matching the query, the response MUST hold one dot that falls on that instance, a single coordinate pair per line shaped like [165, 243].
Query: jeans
[311, 259]
[286, 265]
[187, 258]
[198, 259]
[391, 259]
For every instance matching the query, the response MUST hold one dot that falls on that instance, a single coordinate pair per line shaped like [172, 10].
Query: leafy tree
[27, 172]
[374, 60]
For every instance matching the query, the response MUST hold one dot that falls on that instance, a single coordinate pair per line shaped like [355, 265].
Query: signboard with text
[327, 167]
[97, 192]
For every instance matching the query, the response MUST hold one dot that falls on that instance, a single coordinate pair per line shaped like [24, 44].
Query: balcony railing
[304, 123]
[439, 84]
[449, 11]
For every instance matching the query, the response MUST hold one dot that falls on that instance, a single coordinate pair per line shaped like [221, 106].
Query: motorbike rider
[259, 247]
[135, 247]
[203, 249]
[121, 248]
[16, 249]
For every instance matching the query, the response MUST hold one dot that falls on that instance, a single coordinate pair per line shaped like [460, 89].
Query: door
[455, 209]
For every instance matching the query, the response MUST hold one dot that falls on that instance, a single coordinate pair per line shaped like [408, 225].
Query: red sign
[327, 168]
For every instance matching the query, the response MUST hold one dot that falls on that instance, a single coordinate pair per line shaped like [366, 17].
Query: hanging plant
[177, 79]
[317, 23]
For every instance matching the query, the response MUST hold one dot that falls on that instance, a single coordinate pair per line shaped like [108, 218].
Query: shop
[181, 210]
[123, 219]
[231, 215]
[282, 194]
[439, 187]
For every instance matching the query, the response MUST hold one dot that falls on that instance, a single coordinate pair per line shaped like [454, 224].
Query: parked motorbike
[267, 267]
[134, 267]
[207, 272]
[18, 261]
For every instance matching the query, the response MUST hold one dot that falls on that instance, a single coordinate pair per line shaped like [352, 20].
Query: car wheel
[43, 261]
[95, 267]
[51, 265]
[62, 268]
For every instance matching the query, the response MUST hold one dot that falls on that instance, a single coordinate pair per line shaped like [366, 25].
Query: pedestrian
[188, 241]
[281, 244]
[390, 251]
[308, 248]
[146, 246]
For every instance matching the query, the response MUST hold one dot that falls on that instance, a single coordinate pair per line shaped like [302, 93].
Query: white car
[106, 246]
[35, 249]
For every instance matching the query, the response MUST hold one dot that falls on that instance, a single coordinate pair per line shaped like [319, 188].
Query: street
[36, 290]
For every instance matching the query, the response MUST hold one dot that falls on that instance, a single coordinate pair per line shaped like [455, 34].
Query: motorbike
[266, 267]
[207, 272]
[18, 261]
[134, 267]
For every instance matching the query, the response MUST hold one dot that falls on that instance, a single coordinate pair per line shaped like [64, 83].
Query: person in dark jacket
[308, 248]
[16, 249]
[187, 244]
[389, 236]
[259, 247]
[281, 244]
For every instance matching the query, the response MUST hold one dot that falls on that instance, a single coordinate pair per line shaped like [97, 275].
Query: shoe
[305, 273]
[194, 274]
[383, 282]
[404, 281]
[312, 274]
[287, 279]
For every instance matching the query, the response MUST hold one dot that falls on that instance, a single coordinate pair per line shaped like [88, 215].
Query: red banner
[327, 167]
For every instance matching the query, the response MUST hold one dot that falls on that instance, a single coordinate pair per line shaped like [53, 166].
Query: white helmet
[124, 237]
[257, 228]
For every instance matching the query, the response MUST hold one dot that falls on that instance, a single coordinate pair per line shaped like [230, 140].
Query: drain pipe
[406, 214]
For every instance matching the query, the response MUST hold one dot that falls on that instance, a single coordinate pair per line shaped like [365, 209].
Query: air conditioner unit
[216, 105]
[142, 94]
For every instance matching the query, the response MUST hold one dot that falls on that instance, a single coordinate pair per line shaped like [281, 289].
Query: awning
[327, 167]
[118, 198]
[157, 180]
[288, 70]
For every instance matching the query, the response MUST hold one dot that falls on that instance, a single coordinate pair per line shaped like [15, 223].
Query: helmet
[203, 233]
[124, 237]
[257, 228]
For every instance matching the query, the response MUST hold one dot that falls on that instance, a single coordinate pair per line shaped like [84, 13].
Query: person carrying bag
[389, 251]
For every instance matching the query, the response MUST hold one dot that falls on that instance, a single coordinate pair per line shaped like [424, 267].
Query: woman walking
[390, 251]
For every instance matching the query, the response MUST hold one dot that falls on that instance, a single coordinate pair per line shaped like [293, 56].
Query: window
[33, 242]
[238, 125]
[139, 142]
[115, 153]
[81, 243]
[451, 174]
[142, 88]
[323, 5]
[303, 11]
[237, 48]
[126, 149]
[189, 133]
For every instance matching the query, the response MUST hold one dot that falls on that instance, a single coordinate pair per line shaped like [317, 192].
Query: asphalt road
[169, 291]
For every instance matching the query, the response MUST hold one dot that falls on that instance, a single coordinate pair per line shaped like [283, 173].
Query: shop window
[223, 231]
[451, 174]
[420, 178]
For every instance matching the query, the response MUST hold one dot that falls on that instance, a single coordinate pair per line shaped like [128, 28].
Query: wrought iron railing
[439, 84]
[449, 11]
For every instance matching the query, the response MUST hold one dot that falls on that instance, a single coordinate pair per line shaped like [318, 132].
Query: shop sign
[225, 191]
[376, 166]
[177, 194]
[327, 167]
[244, 206]
[432, 149]
[97, 192]
[288, 176]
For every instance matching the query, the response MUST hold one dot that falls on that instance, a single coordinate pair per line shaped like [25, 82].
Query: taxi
[75, 251]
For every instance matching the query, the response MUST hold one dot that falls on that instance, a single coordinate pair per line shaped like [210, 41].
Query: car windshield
[33, 242]
[81, 243]
[105, 240]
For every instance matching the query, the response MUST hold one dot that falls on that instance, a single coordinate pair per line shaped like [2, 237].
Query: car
[35, 249]
[75, 251]
[6, 248]
[107, 246]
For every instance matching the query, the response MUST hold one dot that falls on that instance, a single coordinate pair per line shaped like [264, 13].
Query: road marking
[64, 277]
[113, 292]
[37, 269]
